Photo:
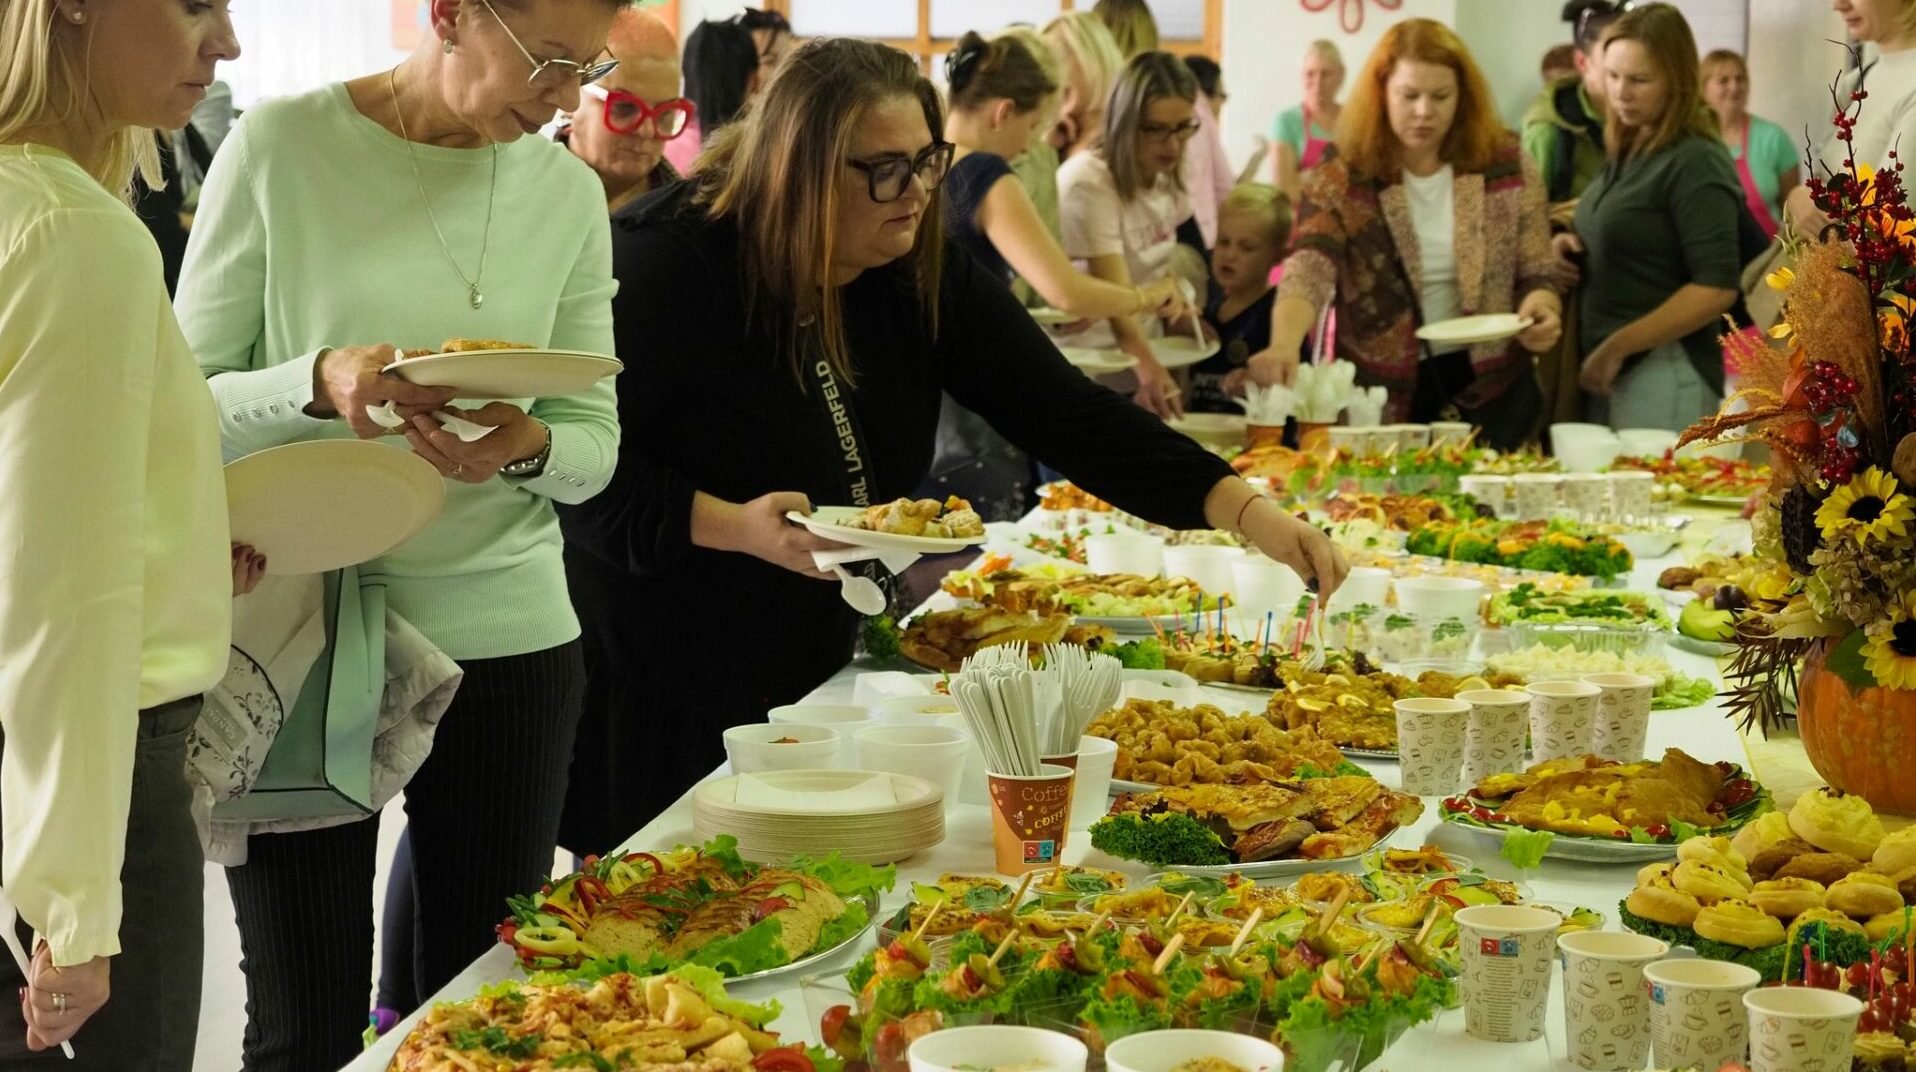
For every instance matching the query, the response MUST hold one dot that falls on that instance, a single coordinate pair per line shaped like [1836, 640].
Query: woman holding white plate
[703, 605]
[1425, 211]
[114, 587]
[407, 208]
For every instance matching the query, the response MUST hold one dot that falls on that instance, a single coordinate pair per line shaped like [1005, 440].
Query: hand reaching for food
[1157, 391]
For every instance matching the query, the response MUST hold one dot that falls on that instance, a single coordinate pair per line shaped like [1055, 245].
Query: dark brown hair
[780, 175]
[980, 71]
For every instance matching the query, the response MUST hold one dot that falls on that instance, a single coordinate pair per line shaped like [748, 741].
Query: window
[928, 28]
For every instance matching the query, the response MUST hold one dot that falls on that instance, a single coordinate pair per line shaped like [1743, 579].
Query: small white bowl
[752, 748]
[935, 709]
[1436, 598]
[1161, 1051]
[847, 717]
[1028, 1049]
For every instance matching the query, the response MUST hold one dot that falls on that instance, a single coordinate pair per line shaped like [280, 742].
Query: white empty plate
[497, 374]
[330, 503]
[1224, 429]
[1095, 362]
[831, 523]
[1471, 330]
[1178, 351]
[1045, 314]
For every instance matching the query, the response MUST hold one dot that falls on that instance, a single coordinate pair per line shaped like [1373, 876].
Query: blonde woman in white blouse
[115, 566]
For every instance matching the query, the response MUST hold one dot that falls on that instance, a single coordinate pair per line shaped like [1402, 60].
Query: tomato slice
[783, 1059]
[832, 1024]
[889, 1046]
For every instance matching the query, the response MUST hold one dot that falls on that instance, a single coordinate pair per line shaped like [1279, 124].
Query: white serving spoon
[862, 593]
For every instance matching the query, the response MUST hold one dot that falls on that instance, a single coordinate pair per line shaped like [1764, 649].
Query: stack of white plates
[810, 823]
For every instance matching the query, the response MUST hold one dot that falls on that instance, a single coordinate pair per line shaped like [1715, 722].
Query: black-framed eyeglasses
[550, 74]
[1161, 132]
[889, 176]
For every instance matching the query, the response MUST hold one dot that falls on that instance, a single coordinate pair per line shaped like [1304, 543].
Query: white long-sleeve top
[115, 576]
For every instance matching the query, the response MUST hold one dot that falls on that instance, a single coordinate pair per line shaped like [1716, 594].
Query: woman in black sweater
[781, 355]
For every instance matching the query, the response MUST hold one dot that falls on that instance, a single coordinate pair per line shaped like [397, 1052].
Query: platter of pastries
[942, 640]
[927, 526]
[1162, 744]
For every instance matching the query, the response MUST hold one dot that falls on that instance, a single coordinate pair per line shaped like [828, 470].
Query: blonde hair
[1719, 60]
[1326, 51]
[1085, 43]
[1131, 24]
[778, 175]
[46, 82]
[1665, 35]
[1266, 203]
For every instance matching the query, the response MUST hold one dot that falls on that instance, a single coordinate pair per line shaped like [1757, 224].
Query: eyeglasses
[889, 176]
[550, 74]
[1160, 132]
[627, 114]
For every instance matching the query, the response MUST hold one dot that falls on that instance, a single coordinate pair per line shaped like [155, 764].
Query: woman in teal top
[1767, 163]
[1301, 134]
[402, 210]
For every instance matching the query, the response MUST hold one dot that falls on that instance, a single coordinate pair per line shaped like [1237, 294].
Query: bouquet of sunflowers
[1835, 402]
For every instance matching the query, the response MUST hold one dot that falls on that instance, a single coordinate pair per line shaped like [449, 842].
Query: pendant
[478, 299]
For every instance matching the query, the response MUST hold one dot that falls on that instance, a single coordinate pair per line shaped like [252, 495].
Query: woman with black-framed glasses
[625, 121]
[404, 209]
[794, 356]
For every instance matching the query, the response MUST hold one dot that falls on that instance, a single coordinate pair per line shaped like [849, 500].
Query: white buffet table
[1704, 732]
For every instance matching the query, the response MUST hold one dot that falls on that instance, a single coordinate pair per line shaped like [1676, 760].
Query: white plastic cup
[934, 753]
[1606, 1013]
[1801, 1029]
[847, 719]
[1587, 495]
[1412, 437]
[1097, 758]
[1697, 1016]
[1534, 495]
[1623, 715]
[1364, 586]
[1446, 432]
[1507, 952]
[1433, 599]
[1563, 717]
[1207, 564]
[751, 749]
[1497, 734]
[1265, 586]
[1124, 552]
[1632, 492]
[1430, 744]
[1351, 441]
[1488, 488]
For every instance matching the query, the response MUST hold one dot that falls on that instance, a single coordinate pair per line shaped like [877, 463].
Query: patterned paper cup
[1506, 970]
[1696, 1012]
[1535, 494]
[1498, 733]
[1800, 1029]
[1029, 817]
[1563, 717]
[1606, 1014]
[1430, 744]
[1631, 492]
[1623, 715]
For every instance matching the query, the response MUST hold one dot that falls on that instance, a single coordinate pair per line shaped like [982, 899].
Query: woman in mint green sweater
[401, 210]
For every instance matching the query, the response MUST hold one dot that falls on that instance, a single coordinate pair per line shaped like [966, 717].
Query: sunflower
[1890, 652]
[1868, 506]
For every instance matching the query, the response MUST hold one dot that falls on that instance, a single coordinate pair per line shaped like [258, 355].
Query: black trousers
[1507, 422]
[483, 812]
[152, 1018]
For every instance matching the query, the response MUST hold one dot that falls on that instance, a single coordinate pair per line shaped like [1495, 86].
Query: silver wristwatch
[534, 465]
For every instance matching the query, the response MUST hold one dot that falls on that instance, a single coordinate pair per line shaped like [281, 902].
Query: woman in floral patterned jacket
[1427, 210]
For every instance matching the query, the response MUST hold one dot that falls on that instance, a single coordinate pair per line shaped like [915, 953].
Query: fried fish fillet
[1336, 801]
[1241, 807]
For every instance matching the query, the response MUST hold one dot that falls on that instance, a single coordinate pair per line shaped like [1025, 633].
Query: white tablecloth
[1703, 732]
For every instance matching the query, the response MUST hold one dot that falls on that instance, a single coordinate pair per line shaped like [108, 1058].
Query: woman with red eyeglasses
[624, 121]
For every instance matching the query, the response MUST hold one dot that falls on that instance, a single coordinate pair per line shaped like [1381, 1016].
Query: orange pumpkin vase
[1861, 742]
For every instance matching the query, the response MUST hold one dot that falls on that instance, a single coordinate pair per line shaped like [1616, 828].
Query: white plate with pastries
[493, 372]
[836, 523]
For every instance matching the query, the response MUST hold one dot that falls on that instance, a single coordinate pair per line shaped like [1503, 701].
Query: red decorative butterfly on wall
[1350, 13]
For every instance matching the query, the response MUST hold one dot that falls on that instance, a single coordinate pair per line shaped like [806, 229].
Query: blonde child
[1253, 229]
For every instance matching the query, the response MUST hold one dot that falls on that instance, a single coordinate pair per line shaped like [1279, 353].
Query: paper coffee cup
[1623, 715]
[1535, 495]
[1801, 1029]
[1631, 493]
[1430, 744]
[1029, 817]
[1563, 717]
[1697, 1017]
[1497, 735]
[1606, 1014]
[1507, 954]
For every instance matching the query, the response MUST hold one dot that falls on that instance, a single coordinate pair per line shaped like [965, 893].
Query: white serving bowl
[1161, 1051]
[935, 709]
[1588, 453]
[1029, 1049]
[1646, 442]
[750, 750]
[934, 753]
[847, 719]
[1124, 552]
[1435, 598]
[1207, 564]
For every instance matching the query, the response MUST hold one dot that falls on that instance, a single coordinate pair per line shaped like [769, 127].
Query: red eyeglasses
[627, 114]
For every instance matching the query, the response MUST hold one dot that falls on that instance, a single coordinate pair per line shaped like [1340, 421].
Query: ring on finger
[458, 469]
[59, 1002]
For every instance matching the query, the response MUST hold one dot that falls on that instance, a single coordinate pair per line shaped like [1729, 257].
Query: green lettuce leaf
[753, 949]
[845, 927]
[1525, 848]
[711, 987]
[847, 878]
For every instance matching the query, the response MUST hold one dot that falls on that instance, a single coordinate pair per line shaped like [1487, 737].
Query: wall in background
[1796, 51]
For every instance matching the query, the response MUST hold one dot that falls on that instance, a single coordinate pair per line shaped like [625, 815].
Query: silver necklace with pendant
[473, 294]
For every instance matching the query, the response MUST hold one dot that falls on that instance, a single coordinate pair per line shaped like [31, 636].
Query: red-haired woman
[1425, 210]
